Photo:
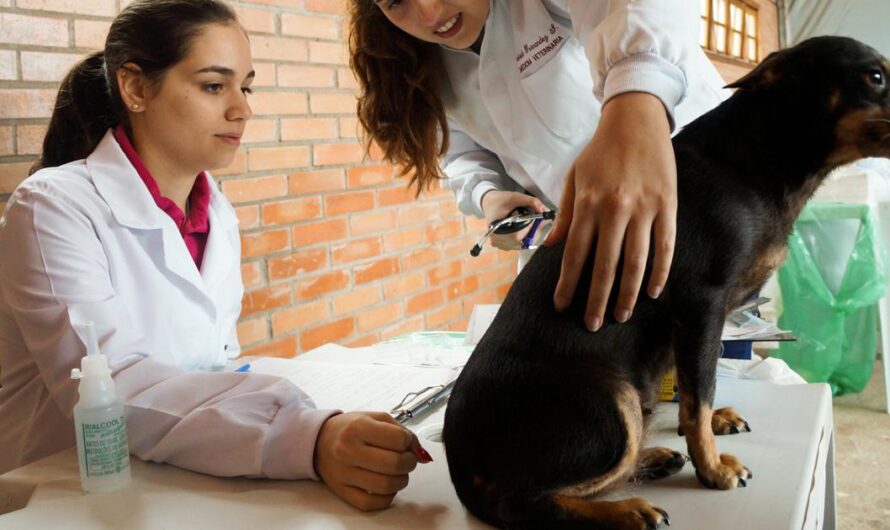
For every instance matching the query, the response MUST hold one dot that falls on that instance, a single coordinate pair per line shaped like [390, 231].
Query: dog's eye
[875, 78]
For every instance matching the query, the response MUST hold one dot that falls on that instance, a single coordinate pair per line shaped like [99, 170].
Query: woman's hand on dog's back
[621, 191]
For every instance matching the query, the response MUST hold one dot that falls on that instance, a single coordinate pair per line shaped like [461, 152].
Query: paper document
[354, 386]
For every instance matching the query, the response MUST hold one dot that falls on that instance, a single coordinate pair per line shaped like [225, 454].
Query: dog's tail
[571, 506]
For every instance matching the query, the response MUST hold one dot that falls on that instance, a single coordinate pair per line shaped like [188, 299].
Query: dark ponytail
[153, 34]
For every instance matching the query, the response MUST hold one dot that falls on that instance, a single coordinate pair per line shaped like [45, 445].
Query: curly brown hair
[399, 106]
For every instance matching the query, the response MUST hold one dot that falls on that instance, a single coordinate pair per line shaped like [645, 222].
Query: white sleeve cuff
[648, 73]
[481, 189]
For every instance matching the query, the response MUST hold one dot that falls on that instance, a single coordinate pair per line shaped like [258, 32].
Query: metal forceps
[514, 223]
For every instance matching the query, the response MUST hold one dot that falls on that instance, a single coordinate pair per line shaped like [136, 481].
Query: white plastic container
[100, 424]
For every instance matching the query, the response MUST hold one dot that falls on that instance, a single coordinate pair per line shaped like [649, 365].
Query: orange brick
[286, 348]
[308, 129]
[263, 243]
[26, 103]
[256, 20]
[260, 131]
[12, 174]
[402, 239]
[291, 211]
[376, 270]
[254, 189]
[403, 284]
[278, 48]
[327, 333]
[265, 77]
[379, 316]
[375, 221]
[300, 316]
[361, 342]
[321, 232]
[348, 202]
[439, 318]
[423, 301]
[339, 153]
[303, 76]
[90, 33]
[253, 330]
[359, 177]
[327, 53]
[501, 273]
[237, 167]
[251, 274]
[402, 328]
[488, 296]
[421, 258]
[322, 285]
[304, 182]
[444, 230]
[349, 128]
[459, 325]
[393, 196]
[309, 27]
[356, 249]
[298, 263]
[332, 103]
[8, 69]
[40, 66]
[29, 139]
[263, 158]
[461, 246]
[346, 79]
[265, 299]
[461, 287]
[334, 7]
[448, 208]
[421, 212]
[40, 31]
[437, 275]
[84, 7]
[356, 299]
[278, 103]
[6, 136]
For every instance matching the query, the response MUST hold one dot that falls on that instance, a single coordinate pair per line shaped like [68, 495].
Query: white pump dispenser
[100, 424]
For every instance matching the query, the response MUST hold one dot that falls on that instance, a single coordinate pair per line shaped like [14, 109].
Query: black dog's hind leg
[696, 346]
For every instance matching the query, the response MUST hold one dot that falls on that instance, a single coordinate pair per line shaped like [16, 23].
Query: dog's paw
[730, 473]
[728, 421]
[638, 514]
[658, 462]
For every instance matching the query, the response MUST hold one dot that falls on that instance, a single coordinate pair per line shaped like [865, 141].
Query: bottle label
[105, 449]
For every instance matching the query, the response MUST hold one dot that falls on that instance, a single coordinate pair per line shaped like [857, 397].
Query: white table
[790, 453]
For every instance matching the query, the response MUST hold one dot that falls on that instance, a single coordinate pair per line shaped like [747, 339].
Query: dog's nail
[747, 427]
[750, 475]
[664, 515]
[742, 483]
[623, 315]
[593, 324]
[734, 430]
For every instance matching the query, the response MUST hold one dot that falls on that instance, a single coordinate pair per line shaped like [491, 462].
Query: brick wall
[334, 247]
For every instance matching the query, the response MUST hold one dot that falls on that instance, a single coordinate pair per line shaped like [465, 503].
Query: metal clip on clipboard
[417, 403]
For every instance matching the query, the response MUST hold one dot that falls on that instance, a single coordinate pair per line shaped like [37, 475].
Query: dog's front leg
[696, 348]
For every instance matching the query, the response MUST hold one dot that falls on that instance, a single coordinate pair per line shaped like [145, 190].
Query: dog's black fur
[546, 414]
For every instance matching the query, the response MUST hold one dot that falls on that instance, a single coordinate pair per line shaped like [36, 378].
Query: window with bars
[729, 27]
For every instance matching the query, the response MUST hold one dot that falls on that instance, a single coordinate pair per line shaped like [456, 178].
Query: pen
[417, 410]
[245, 368]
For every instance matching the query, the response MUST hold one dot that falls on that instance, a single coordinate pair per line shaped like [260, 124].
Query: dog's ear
[767, 73]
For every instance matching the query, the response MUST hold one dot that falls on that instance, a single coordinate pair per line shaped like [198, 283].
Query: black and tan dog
[547, 415]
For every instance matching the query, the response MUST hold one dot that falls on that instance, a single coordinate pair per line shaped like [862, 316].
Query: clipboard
[419, 402]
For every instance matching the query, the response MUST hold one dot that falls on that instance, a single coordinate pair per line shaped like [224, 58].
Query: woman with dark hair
[539, 103]
[122, 226]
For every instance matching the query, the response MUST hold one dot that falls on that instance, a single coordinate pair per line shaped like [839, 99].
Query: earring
[135, 106]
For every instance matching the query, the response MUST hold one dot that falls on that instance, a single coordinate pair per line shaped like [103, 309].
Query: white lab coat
[521, 111]
[86, 242]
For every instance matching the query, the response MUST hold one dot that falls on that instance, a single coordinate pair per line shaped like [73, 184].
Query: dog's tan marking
[629, 514]
[834, 100]
[728, 421]
[658, 462]
[766, 260]
[851, 140]
[628, 401]
[714, 470]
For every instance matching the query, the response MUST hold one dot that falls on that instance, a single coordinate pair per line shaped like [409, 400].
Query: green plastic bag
[835, 273]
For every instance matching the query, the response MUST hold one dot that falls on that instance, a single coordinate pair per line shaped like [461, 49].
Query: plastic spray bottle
[100, 425]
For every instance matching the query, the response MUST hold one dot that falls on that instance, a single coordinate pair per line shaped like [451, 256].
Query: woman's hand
[621, 191]
[365, 458]
[498, 204]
